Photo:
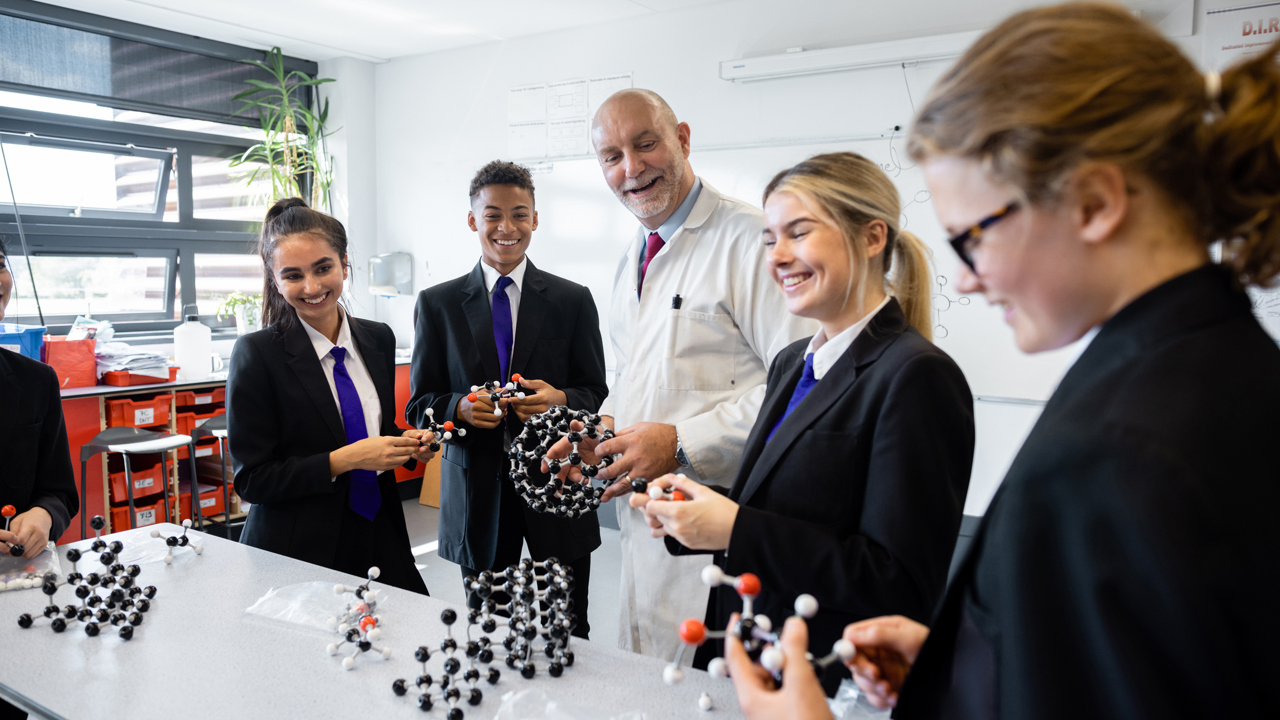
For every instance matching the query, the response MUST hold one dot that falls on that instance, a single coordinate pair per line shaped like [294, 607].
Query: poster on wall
[1232, 34]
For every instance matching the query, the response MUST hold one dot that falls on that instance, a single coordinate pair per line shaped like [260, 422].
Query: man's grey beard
[668, 192]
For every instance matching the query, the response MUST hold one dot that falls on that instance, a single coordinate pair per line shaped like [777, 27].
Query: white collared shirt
[827, 352]
[491, 276]
[369, 399]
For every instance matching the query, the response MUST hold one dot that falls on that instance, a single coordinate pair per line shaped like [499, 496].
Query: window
[101, 285]
[119, 140]
[217, 276]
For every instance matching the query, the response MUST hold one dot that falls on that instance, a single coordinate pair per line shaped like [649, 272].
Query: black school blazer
[282, 423]
[35, 460]
[557, 341]
[1128, 566]
[857, 499]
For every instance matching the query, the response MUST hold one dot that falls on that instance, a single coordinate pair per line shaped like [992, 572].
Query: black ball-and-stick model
[497, 391]
[563, 498]
[182, 540]
[754, 630]
[109, 597]
[537, 605]
[447, 689]
[7, 512]
[359, 624]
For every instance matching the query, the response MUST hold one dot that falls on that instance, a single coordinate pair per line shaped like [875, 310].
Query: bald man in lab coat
[695, 321]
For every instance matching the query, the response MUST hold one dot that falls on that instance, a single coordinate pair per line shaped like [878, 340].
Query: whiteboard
[588, 228]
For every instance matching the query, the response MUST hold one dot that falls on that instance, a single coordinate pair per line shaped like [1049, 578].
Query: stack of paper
[114, 356]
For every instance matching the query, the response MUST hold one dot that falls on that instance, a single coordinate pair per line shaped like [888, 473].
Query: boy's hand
[544, 397]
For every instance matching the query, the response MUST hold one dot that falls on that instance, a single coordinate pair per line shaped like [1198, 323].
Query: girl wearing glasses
[854, 477]
[1127, 566]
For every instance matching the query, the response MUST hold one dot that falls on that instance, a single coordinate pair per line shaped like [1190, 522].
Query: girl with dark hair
[1127, 567]
[311, 412]
[36, 480]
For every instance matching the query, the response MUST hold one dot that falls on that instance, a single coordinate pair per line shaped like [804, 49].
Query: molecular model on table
[563, 498]
[111, 596]
[182, 540]
[447, 689]
[359, 624]
[754, 630]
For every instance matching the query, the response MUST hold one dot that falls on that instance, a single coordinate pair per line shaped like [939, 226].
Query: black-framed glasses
[961, 242]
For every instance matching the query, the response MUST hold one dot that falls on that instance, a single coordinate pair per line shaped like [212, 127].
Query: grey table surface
[199, 655]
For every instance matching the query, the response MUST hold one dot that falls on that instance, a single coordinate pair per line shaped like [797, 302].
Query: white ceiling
[378, 30]
[373, 30]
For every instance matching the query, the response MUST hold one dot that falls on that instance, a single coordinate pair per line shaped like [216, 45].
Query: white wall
[439, 117]
[354, 145]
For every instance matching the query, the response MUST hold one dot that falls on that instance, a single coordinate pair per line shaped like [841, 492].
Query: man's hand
[479, 414]
[648, 451]
[801, 696]
[703, 521]
[30, 530]
[887, 648]
[544, 398]
[424, 438]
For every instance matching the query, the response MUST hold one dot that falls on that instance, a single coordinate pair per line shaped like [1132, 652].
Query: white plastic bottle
[192, 347]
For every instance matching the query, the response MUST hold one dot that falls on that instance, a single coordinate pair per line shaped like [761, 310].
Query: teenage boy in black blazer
[550, 335]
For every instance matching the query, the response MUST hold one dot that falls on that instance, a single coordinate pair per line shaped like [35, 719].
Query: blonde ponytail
[854, 191]
[911, 282]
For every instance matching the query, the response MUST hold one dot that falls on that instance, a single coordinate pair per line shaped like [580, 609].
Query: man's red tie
[654, 244]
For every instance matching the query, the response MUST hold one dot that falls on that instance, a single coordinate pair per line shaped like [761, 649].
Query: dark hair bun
[281, 205]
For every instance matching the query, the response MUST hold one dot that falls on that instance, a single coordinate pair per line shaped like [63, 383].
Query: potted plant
[293, 146]
[247, 310]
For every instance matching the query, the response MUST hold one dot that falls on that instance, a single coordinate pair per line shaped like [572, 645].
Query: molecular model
[530, 585]
[559, 497]
[448, 691]
[182, 540]
[359, 623]
[641, 485]
[105, 597]
[755, 631]
[7, 512]
[441, 432]
[497, 391]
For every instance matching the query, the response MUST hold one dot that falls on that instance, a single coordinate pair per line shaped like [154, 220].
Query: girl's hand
[424, 438]
[378, 454]
[887, 648]
[801, 696]
[702, 521]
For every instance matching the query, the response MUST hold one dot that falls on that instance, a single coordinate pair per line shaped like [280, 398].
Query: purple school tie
[503, 333]
[364, 496]
[807, 381]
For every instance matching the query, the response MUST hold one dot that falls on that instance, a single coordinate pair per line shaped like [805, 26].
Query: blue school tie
[364, 496]
[503, 333]
[807, 381]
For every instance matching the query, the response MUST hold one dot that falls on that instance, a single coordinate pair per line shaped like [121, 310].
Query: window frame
[116, 235]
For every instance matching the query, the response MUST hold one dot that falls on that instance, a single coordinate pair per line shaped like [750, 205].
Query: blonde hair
[853, 191]
[1054, 87]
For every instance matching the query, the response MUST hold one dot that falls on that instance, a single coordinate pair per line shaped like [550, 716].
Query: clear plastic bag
[851, 704]
[310, 604]
[21, 574]
[536, 704]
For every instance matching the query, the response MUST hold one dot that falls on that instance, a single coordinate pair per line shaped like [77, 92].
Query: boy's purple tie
[364, 496]
[503, 333]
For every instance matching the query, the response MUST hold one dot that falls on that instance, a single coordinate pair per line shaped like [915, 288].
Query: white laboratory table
[199, 655]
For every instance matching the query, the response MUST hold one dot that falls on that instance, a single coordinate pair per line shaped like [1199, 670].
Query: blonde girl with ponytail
[853, 482]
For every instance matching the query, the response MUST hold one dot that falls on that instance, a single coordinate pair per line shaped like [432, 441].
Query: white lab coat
[701, 367]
